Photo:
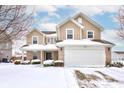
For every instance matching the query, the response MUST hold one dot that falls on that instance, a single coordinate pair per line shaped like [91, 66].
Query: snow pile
[48, 62]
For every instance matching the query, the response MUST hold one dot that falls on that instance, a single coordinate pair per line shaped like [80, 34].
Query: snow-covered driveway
[32, 76]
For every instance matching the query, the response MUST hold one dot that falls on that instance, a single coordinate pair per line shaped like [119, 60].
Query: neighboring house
[118, 56]
[5, 51]
[77, 42]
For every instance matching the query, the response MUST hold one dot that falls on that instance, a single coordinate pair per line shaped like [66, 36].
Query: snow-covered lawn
[36, 76]
[32, 76]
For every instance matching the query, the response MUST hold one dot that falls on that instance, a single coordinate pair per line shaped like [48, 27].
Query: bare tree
[15, 21]
[121, 22]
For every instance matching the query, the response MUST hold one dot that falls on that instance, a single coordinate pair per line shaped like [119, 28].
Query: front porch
[42, 55]
[41, 52]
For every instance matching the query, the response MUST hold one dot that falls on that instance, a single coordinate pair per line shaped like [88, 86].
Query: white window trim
[37, 39]
[90, 31]
[72, 31]
[51, 40]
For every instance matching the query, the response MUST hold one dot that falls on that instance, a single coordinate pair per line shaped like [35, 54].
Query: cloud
[48, 26]
[51, 10]
[111, 35]
[45, 8]
[96, 10]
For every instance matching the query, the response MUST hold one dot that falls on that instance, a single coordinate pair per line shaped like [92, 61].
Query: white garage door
[84, 56]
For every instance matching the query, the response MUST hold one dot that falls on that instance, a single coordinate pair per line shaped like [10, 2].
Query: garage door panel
[84, 57]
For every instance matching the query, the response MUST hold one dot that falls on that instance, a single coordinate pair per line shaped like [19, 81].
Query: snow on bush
[35, 61]
[25, 62]
[48, 62]
[17, 62]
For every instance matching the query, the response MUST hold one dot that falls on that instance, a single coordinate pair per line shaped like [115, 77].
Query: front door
[48, 55]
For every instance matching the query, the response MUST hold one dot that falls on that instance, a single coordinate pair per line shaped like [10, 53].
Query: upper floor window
[48, 40]
[80, 20]
[90, 34]
[34, 40]
[69, 33]
[51, 40]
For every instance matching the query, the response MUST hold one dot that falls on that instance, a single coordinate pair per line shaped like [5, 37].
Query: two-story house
[77, 41]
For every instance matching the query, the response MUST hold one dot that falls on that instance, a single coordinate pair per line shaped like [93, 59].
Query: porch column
[42, 56]
[61, 54]
[22, 55]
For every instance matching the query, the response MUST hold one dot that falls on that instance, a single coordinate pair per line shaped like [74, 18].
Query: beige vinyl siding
[89, 26]
[69, 25]
[41, 38]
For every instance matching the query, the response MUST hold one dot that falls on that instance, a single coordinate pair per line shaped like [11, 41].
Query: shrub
[116, 64]
[17, 62]
[38, 62]
[35, 61]
[47, 65]
[58, 63]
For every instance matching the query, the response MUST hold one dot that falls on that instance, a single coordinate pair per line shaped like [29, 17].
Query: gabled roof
[84, 16]
[35, 30]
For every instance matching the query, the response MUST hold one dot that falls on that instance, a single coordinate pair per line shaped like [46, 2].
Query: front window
[90, 34]
[69, 34]
[35, 40]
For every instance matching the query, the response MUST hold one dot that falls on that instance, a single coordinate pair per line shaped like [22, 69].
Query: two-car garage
[83, 53]
[84, 56]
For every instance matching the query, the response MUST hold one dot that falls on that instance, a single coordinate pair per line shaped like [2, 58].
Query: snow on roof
[37, 47]
[79, 42]
[33, 47]
[51, 35]
[50, 47]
